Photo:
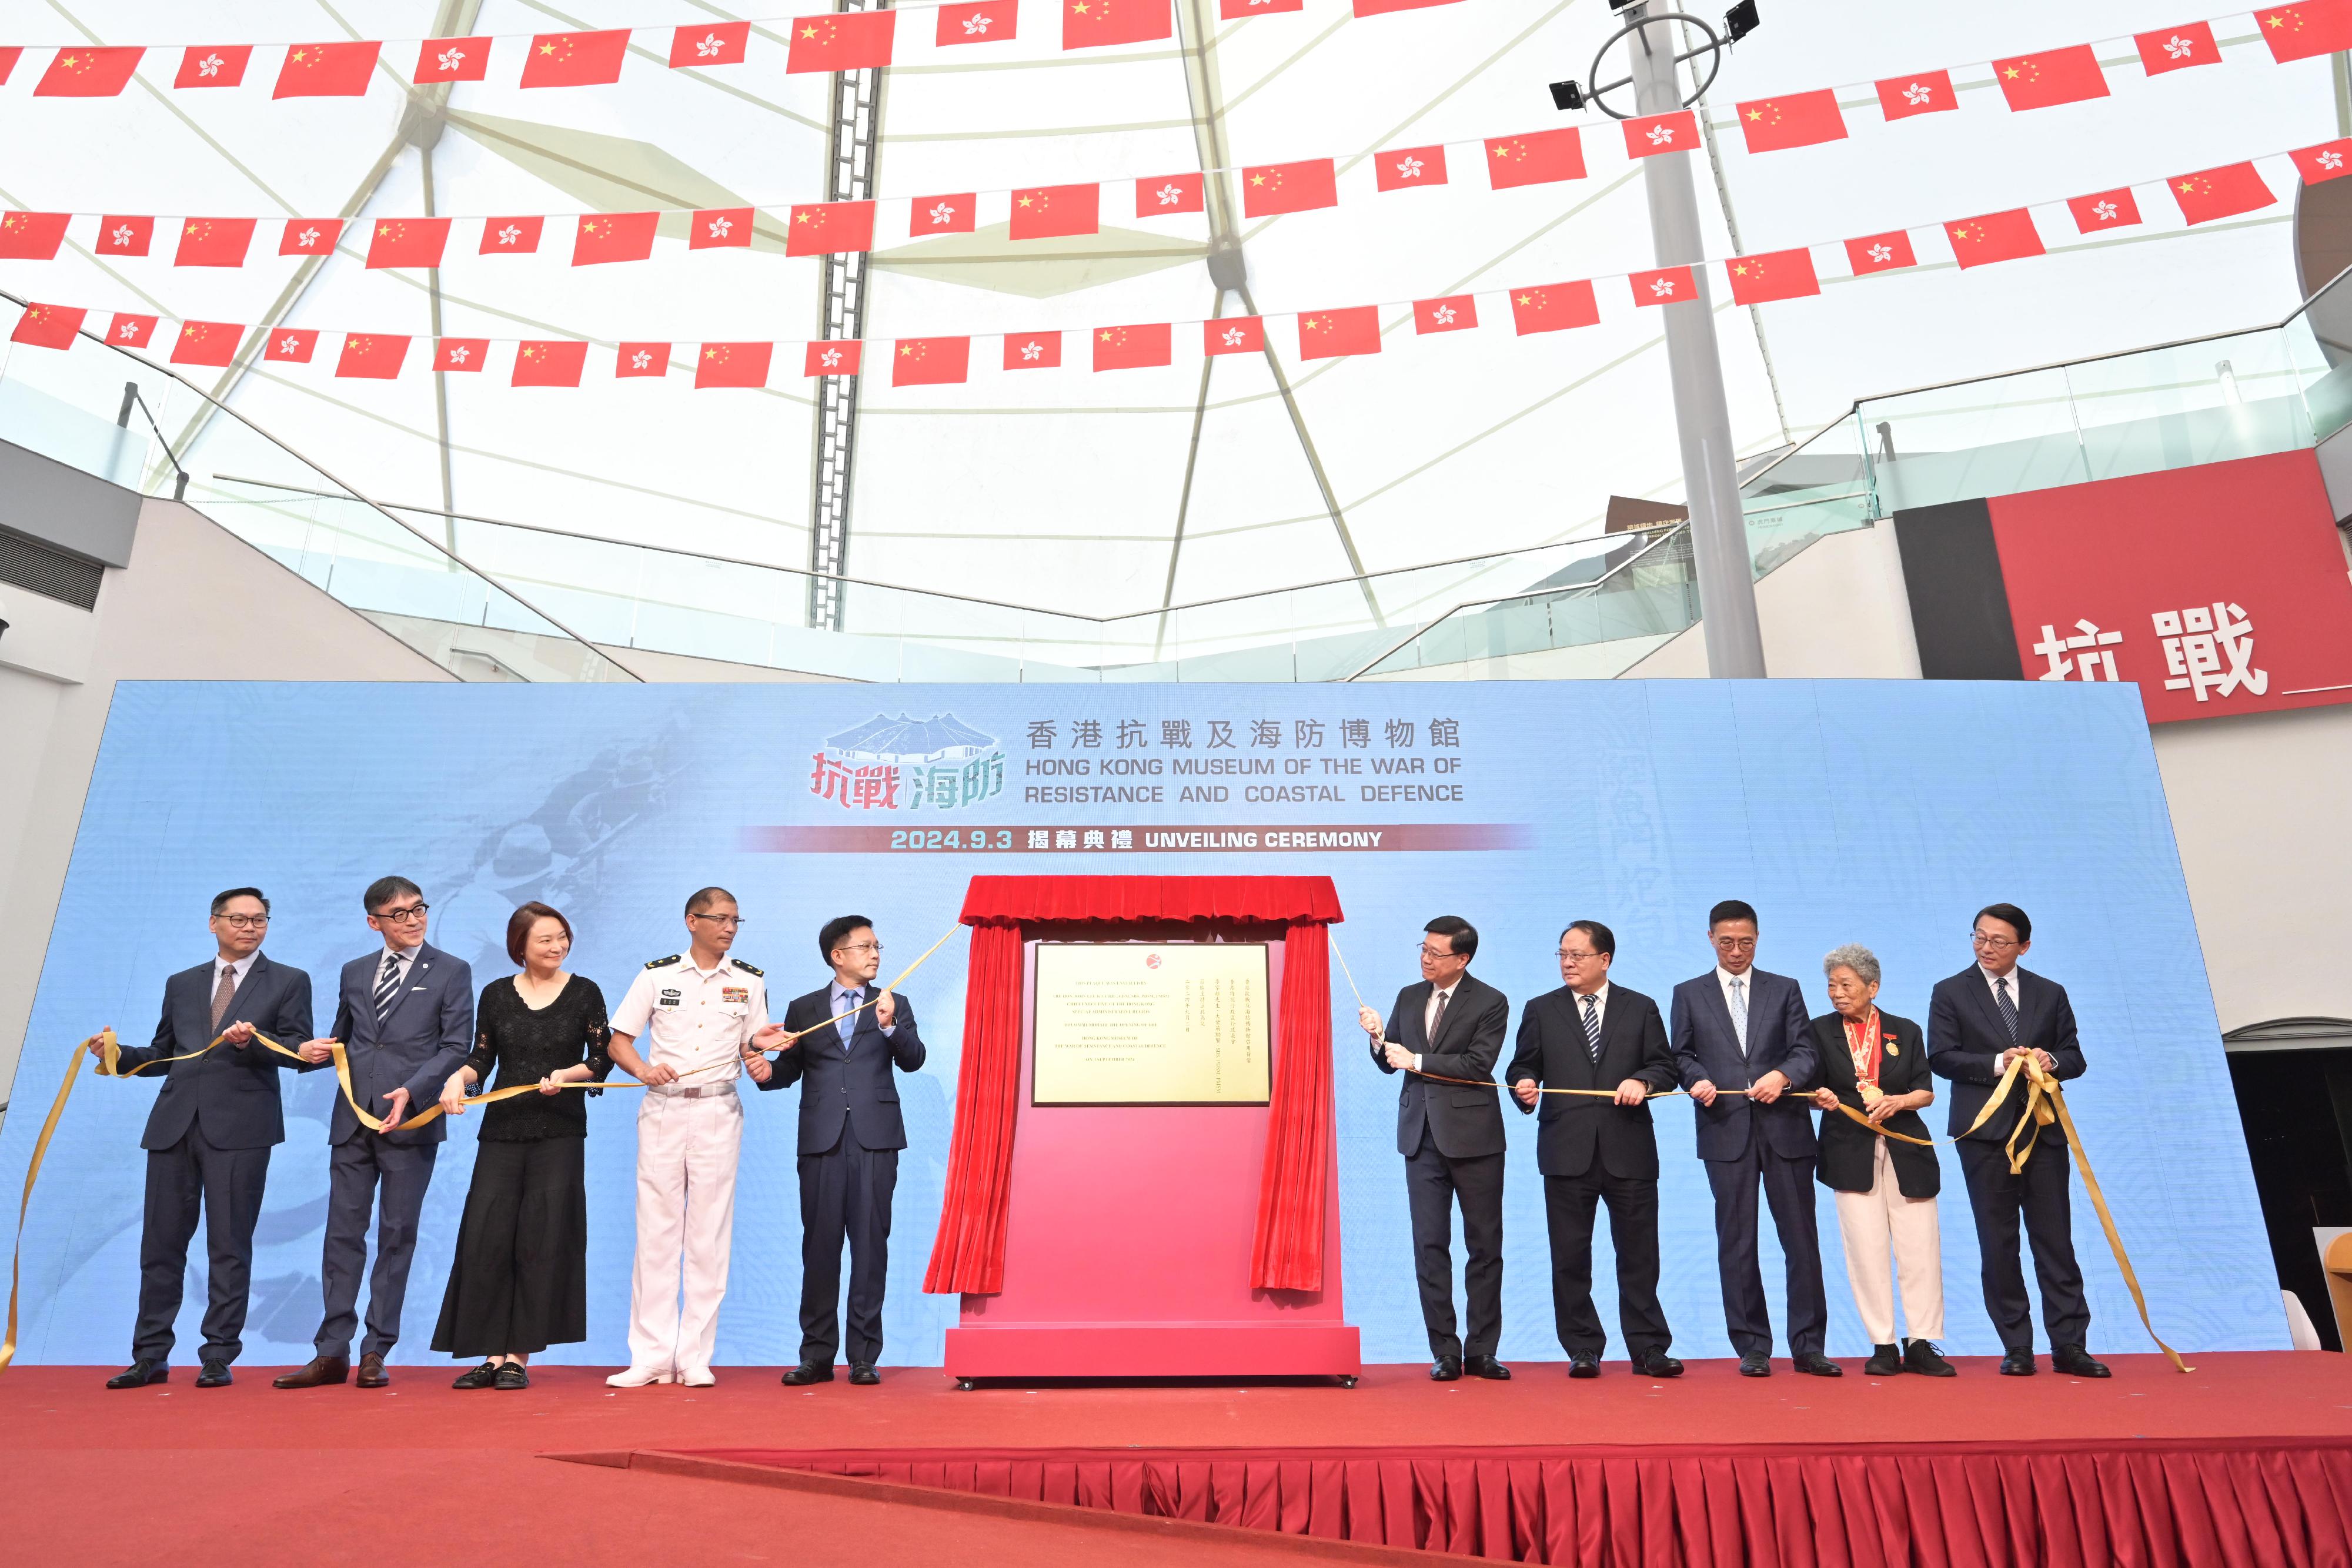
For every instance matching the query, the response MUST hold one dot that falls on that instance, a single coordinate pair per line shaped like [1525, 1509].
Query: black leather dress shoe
[1584, 1367]
[322, 1370]
[1446, 1369]
[1487, 1367]
[483, 1376]
[2017, 1363]
[1657, 1363]
[1756, 1366]
[1814, 1363]
[2076, 1362]
[862, 1374]
[372, 1372]
[1885, 1361]
[213, 1375]
[1922, 1357]
[807, 1372]
[140, 1373]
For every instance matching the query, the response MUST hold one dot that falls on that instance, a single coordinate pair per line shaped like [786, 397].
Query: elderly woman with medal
[1875, 1065]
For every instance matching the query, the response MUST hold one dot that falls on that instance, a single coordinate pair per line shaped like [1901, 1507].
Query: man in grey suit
[1744, 1048]
[405, 1015]
[209, 1138]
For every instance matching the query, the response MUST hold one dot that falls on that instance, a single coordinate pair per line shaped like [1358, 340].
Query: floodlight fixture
[1567, 96]
[1740, 21]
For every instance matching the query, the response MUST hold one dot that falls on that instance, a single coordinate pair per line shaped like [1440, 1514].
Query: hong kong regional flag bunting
[453, 59]
[978, 22]
[1097, 24]
[207, 65]
[715, 44]
[326, 71]
[1032, 352]
[1234, 335]
[2328, 160]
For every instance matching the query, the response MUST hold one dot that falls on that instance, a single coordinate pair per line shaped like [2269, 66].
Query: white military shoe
[638, 1377]
[697, 1377]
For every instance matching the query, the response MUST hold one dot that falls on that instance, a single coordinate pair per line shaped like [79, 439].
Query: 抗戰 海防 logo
[906, 764]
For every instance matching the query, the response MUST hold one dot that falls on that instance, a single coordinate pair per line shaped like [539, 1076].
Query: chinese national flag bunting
[131, 331]
[1049, 211]
[1097, 24]
[575, 60]
[978, 24]
[1409, 168]
[2299, 32]
[1453, 313]
[1800, 119]
[2222, 193]
[1775, 275]
[1234, 335]
[214, 242]
[1327, 334]
[633, 359]
[929, 361]
[718, 44]
[309, 237]
[1032, 352]
[460, 353]
[2178, 48]
[720, 228]
[88, 73]
[1648, 135]
[118, 235]
[1132, 347]
[1268, 189]
[822, 227]
[2328, 160]
[207, 343]
[48, 326]
[1879, 252]
[407, 242]
[845, 41]
[1166, 196]
[372, 356]
[837, 359]
[2061, 75]
[1927, 92]
[1239, 10]
[31, 236]
[539, 363]
[1554, 306]
[291, 345]
[1664, 286]
[453, 59]
[613, 236]
[511, 236]
[327, 70]
[1383, 8]
[733, 364]
[8, 58]
[942, 215]
[1994, 237]
[213, 65]
[1535, 159]
[2104, 210]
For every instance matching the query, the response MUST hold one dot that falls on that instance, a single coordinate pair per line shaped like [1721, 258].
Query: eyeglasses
[404, 914]
[244, 922]
[1991, 943]
[861, 948]
[1427, 951]
[1570, 955]
[718, 919]
[1736, 944]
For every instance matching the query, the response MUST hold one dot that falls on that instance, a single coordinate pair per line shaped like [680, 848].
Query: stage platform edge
[1032, 1350]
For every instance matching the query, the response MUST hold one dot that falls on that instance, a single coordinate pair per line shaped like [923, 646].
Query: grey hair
[1853, 955]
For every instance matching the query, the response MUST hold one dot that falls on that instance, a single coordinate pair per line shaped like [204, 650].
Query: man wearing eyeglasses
[209, 1138]
[1978, 1020]
[405, 1014]
[841, 1051]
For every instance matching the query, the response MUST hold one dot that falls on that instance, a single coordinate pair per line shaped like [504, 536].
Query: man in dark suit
[1976, 1021]
[209, 1136]
[1743, 1044]
[1451, 1025]
[405, 1014]
[850, 1135]
[1590, 1034]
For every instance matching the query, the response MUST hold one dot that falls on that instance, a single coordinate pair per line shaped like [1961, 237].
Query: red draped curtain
[1288, 1255]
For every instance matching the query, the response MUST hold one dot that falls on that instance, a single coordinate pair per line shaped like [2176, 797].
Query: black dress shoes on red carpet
[1446, 1369]
[1885, 1361]
[1757, 1365]
[1657, 1363]
[1487, 1367]
[1922, 1357]
[140, 1373]
[1584, 1367]
[483, 1376]
[1813, 1363]
[213, 1375]
[862, 1376]
[807, 1372]
[2076, 1362]
[2017, 1363]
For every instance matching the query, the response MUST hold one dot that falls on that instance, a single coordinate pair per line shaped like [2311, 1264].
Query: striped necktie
[2008, 1008]
[1592, 1029]
[388, 987]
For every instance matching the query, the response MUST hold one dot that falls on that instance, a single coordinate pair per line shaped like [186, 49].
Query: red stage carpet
[2246, 1461]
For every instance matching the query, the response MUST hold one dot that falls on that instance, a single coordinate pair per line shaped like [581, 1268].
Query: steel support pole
[1726, 586]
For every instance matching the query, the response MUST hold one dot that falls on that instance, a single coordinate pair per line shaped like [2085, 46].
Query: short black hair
[1457, 931]
[1731, 909]
[2013, 915]
[831, 935]
[384, 889]
[1604, 940]
[220, 900]
[704, 897]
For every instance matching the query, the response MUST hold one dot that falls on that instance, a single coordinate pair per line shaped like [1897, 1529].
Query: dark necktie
[2008, 1008]
[223, 996]
[388, 987]
[1592, 1029]
[1437, 1019]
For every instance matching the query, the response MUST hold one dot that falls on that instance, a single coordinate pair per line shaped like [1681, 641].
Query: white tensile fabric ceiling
[1065, 490]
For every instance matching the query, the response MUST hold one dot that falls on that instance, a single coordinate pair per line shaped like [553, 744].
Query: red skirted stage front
[1144, 1241]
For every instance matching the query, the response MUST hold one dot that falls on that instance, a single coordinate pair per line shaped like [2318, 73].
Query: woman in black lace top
[520, 1283]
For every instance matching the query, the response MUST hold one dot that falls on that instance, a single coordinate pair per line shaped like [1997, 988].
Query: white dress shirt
[240, 968]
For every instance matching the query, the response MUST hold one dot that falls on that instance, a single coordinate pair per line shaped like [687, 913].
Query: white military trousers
[685, 1225]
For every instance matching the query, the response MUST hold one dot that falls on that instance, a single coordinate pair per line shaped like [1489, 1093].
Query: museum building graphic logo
[907, 764]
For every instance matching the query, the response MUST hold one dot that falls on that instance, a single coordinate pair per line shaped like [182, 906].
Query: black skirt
[519, 1282]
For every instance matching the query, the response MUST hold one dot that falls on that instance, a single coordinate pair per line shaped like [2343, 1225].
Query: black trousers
[1789, 1188]
[227, 1184]
[1432, 1184]
[844, 1196]
[2039, 1195]
[1569, 1206]
[356, 1169]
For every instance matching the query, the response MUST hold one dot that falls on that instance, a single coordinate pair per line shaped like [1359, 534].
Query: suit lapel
[1986, 1005]
[2029, 1004]
[1721, 1009]
[1452, 1010]
[418, 969]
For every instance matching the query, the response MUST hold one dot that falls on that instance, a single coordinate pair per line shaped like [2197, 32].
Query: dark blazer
[1463, 1123]
[427, 1036]
[1707, 1046]
[1571, 1128]
[1846, 1154]
[236, 1091]
[852, 1084]
[1966, 1036]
